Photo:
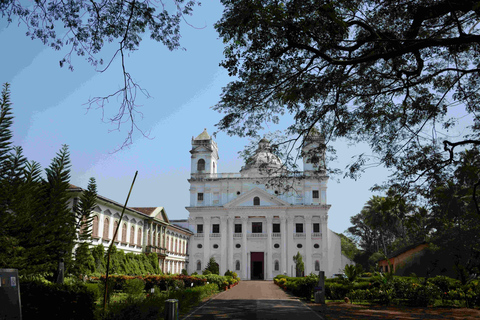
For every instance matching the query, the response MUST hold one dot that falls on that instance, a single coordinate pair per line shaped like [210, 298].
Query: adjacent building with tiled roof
[142, 229]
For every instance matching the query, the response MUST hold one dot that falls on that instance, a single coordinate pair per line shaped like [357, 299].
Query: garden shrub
[152, 307]
[134, 288]
[42, 300]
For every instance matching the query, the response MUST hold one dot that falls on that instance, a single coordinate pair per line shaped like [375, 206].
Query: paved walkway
[254, 300]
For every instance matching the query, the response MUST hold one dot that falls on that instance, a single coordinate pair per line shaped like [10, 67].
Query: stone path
[254, 300]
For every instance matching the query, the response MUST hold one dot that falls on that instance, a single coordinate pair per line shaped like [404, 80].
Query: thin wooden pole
[111, 246]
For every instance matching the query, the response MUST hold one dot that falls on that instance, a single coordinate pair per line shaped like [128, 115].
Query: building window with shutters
[132, 235]
[276, 228]
[256, 227]
[299, 227]
[238, 228]
[124, 233]
[139, 237]
[95, 227]
[106, 226]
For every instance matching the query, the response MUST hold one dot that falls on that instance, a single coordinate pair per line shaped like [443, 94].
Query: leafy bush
[42, 300]
[134, 287]
[152, 307]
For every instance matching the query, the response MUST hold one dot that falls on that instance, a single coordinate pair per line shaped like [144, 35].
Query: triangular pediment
[160, 214]
[266, 199]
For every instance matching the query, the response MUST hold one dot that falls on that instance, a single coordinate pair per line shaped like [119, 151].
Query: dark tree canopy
[388, 73]
[85, 27]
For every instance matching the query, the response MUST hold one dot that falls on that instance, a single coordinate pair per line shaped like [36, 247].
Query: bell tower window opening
[256, 201]
[201, 165]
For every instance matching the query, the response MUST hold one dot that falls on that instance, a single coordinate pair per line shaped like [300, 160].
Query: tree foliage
[37, 227]
[395, 74]
[83, 210]
[86, 27]
[212, 267]
[456, 221]
[299, 264]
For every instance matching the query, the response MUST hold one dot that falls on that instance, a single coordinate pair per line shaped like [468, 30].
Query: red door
[257, 265]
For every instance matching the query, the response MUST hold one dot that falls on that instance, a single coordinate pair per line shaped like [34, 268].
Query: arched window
[237, 265]
[124, 233]
[115, 225]
[83, 225]
[201, 165]
[132, 235]
[199, 265]
[95, 227]
[154, 242]
[168, 242]
[213, 166]
[317, 265]
[256, 201]
[148, 238]
[277, 266]
[106, 226]
[139, 237]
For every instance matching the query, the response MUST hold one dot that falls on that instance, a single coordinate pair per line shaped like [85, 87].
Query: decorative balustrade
[299, 235]
[276, 235]
[215, 235]
[317, 235]
[151, 249]
[238, 235]
[198, 236]
[257, 235]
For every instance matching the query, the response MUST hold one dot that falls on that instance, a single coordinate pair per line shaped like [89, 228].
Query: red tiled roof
[146, 210]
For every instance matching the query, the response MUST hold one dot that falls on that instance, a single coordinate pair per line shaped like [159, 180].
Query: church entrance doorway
[257, 266]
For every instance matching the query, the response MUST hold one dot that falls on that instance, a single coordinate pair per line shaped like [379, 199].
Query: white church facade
[255, 229]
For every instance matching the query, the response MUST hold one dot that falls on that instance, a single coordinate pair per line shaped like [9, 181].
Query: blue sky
[49, 109]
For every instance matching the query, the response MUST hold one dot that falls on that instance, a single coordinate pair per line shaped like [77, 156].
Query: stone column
[325, 244]
[290, 246]
[283, 234]
[308, 244]
[269, 251]
[249, 257]
[223, 244]
[230, 230]
[245, 265]
[206, 241]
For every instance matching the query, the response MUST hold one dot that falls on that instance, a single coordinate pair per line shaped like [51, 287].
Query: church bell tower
[204, 157]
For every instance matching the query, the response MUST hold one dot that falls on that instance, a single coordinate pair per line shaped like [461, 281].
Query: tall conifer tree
[56, 230]
[83, 211]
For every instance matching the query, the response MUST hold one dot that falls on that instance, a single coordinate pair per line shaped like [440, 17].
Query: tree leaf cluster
[397, 75]
[448, 221]
[38, 229]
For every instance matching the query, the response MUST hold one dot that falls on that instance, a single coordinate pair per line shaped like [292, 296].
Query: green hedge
[152, 307]
[383, 289]
[42, 300]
